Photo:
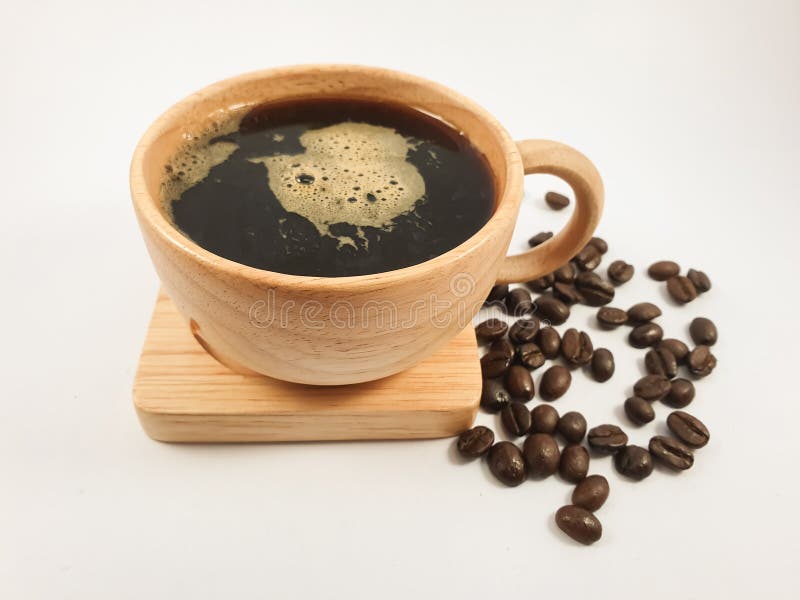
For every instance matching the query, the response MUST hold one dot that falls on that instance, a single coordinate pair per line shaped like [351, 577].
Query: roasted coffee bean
[652, 387]
[516, 418]
[579, 524]
[595, 290]
[566, 273]
[494, 396]
[703, 331]
[700, 280]
[497, 294]
[506, 463]
[549, 308]
[494, 364]
[679, 350]
[524, 330]
[701, 362]
[681, 289]
[504, 346]
[681, 393]
[610, 317]
[639, 410]
[567, 293]
[550, 342]
[556, 201]
[518, 302]
[544, 419]
[519, 383]
[634, 462]
[540, 238]
[475, 442]
[600, 244]
[541, 455]
[530, 356]
[672, 453]
[591, 493]
[555, 382]
[588, 258]
[620, 272]
[607, 439]
[576, 347]
[690, 430]
[490, 330]
[574, 463]
[572, 426]
[602, 365]
[542, 283]
[643, 312]
[645, 335]
[660, 361]
[663, 270]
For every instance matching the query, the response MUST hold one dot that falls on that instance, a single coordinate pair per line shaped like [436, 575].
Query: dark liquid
[353, 200]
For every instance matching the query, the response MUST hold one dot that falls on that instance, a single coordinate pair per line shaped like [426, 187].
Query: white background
[690, 111]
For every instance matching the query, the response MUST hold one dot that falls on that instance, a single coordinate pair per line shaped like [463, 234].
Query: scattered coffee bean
[643, 312]
[506, 463]
[540, 238]
[607, 439]
[652, 387]
[700, 280]
[494, 364]
[645, 335]
[544, 419]
[566, 273]
[681, 289]
[579, 524]
[679, 350]
[574, 463]
[591, 493]
[555, 382]
[703, 331]
[567, 293]
[475, 442]
[660, 361]
[516, 418]
[690, 430]
[530, 356]
[639, 410]
[671, 452]
[701, 362]
[663, 270]
[602, 365]
[576, 347]
[634, 462]
[519, 383]
[610, 317]
[600, 244]
[490, 330]
[494, 396]
[552, 309]
[524, 330]
[588, 258]
[518, 302]
[497, 294]
[503, 346]
[681, 393]
[572, 427]
[541, 454]
[550, 342]
[620, 272]
[595, 290]
[542, 283]
[556, 201]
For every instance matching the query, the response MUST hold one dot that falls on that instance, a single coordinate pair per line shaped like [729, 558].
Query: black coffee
[330, 188]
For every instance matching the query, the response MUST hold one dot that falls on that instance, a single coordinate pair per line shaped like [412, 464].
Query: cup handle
[554, 158]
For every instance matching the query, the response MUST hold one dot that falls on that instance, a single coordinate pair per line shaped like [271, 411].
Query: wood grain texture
[181, 394]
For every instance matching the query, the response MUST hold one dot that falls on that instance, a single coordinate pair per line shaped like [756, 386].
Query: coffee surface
[330, 188]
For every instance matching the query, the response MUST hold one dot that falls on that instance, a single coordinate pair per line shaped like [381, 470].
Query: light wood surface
[182, 394]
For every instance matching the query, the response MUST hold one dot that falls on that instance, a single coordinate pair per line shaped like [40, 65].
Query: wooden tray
[182, 394]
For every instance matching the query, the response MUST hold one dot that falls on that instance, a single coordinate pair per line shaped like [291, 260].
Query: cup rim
[150, 213]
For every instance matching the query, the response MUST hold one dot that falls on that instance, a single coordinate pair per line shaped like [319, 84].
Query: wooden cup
[342, 330]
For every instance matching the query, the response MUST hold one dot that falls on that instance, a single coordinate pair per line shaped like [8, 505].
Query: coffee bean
[475, 442]
[519, 383]
[490, 330]
[591, 493]
[506, 463]
[567, 293]
[542, 283]
[566, 273]
[681, 289]
[588, 258]
[690, 430]
[679, 350]
[634, 462]
[541, 454]
[620, 272]
[572, 426]
[576, 347]
[643, 336]
[530, 356]
[600, 244]
[681, 393]
[503, 346]
[643, 312]
[550, 308]
[652, 387]
[703, 331]
[610, 318]
[639, 410]
[700, 280]
[663, 270]
[595, 290]
[516, 418]
[549, 342]
[660, 361]
[607, 439]
[602, 365]
[518, 302]
[544, 419]
[555, 382]
[524, 330]
[671, 453]
[540, 238]
[494, 364]
[497, 294]
[494, 396]
[579, 524]
[701, 362]
[556, 201]
[574, 463]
